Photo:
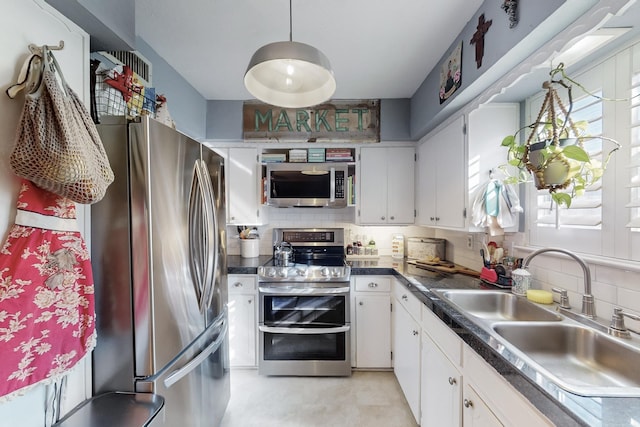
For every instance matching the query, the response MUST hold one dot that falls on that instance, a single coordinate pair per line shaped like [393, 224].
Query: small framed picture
[451, 73]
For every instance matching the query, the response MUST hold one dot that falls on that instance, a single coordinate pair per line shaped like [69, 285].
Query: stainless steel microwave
[307, 185]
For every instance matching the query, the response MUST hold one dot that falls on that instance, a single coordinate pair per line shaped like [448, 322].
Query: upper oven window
[310, 311]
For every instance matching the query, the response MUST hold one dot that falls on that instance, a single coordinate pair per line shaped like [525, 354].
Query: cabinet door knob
[452, 380]
[360, 303]
[404, 297]
[373, 285]
[392, 217]
[437, 218]
[467, 403]
[237, 285]
[432, 218]
[415, 333]
[382, 218]
[249, 301]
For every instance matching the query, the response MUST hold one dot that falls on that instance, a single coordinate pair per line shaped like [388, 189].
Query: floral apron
[47, 315]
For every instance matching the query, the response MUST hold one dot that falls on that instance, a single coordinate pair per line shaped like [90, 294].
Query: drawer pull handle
[404, 297]
[373, 285]
[467, 403]
[237, 285]
[452, 380]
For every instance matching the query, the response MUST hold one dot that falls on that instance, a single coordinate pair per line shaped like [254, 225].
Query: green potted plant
[553, 155]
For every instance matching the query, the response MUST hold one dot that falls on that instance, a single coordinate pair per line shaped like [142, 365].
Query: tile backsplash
[613, 285]
[333, 218]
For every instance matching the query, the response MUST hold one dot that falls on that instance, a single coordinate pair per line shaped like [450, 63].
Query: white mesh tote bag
[57, 145]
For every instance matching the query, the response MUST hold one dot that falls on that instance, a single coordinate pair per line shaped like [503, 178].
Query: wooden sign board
[335, 121]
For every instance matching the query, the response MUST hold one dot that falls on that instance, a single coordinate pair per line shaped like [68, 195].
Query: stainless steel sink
[496, 305]
[579, 359]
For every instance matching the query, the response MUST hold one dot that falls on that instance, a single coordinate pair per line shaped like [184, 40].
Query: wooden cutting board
[445, 267]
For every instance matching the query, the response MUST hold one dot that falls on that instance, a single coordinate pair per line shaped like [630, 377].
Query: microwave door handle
[332, 179]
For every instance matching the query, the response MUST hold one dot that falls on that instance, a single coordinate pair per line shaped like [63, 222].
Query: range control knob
[324, 271]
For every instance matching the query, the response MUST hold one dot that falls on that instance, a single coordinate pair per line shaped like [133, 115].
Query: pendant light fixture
[290, 74]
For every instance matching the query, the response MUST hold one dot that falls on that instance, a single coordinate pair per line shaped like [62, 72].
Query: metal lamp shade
[290, 74]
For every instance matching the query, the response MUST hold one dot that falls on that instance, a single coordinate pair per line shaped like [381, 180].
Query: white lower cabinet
[440, 388]
[371, 322]
[476, 413]
[242, 320]
[406, 346]
[458, 388]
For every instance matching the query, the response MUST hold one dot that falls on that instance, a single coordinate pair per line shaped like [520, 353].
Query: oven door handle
[303, 291]
[304, 331]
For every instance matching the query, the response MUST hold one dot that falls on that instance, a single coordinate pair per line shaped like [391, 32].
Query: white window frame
[613, 239]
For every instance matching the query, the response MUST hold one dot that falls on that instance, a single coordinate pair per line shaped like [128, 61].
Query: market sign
[336, 121]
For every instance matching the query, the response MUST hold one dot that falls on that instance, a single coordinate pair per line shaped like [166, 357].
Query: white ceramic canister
[520, 281]
[249, 248]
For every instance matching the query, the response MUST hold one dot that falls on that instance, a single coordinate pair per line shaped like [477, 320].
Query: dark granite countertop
[561, 407]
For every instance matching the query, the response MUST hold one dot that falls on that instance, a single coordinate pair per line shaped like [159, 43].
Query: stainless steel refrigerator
[159, 258]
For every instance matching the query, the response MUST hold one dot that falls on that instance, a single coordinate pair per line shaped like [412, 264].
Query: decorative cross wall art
[478, 38]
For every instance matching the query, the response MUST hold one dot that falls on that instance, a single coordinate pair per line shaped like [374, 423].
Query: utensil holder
[249, 248]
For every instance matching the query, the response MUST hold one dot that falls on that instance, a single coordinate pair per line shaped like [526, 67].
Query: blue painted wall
[499, 41]
[187, 107]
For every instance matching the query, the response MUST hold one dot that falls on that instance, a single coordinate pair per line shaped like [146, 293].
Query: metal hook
[37, 50]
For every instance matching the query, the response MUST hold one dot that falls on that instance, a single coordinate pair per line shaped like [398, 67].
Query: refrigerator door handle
[211, 236]
[178, 374]
[220, 323]
[195, 220]
[201, 232]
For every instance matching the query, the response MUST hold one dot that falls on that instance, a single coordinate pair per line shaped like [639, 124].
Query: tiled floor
[371, 399]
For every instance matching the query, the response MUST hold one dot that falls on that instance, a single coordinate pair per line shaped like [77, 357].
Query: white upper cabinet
[455, 163]
[487, 126]
[440, 188]
[387, 180]
[243, 201]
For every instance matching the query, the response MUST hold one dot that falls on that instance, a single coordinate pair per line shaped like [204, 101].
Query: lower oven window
[316, 310]
[329, 346]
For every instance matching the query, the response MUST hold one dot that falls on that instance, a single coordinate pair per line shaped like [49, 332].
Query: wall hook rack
[37, 50]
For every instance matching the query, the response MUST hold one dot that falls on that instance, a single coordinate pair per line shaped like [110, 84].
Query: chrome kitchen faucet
[588, 306]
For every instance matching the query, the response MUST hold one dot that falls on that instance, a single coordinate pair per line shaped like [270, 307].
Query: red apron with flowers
[47, 315]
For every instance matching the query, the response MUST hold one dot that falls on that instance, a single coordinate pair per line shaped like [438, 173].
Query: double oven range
[304, 321]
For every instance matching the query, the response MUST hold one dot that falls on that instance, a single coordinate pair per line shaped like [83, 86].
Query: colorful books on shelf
[298, 155]
[274, 158]
[315, 155]
[351, 190]
[339, 155]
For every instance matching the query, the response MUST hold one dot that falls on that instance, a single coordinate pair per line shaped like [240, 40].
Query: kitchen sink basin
[496, 305]
[579, 359]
